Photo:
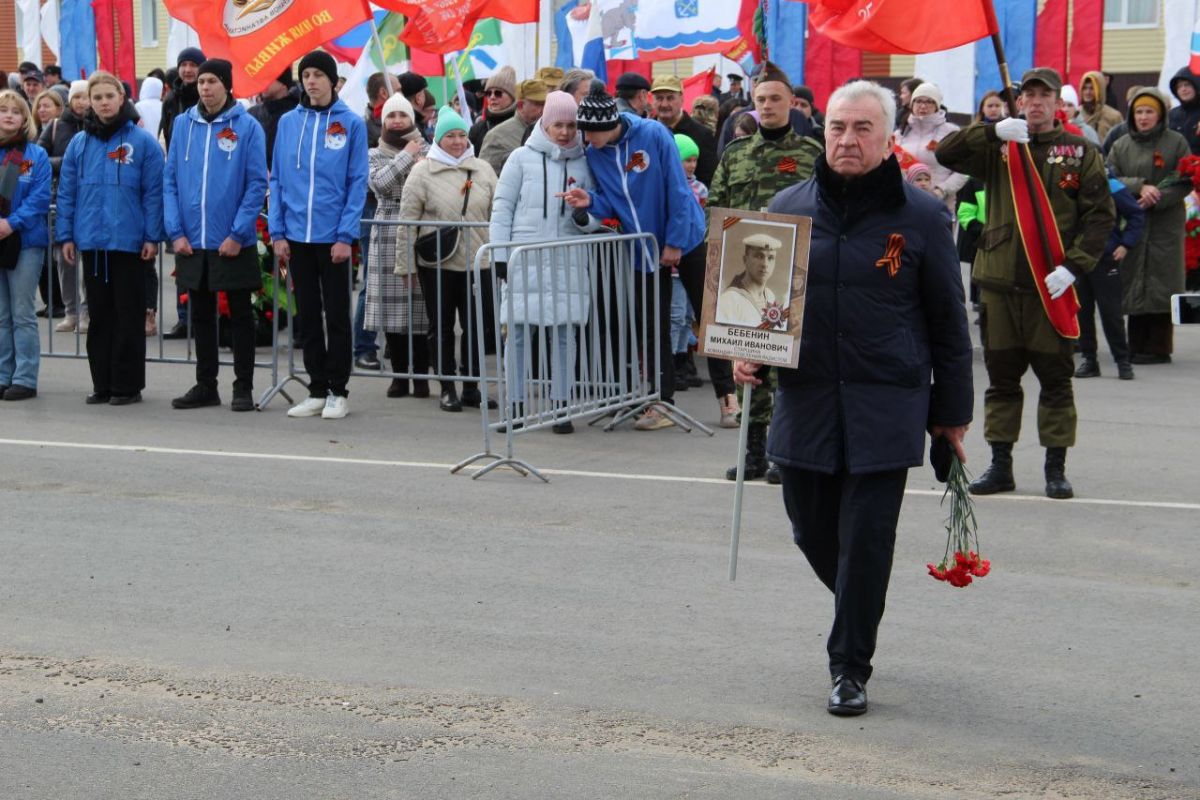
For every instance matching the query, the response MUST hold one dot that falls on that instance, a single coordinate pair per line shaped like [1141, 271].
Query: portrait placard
[754, 284]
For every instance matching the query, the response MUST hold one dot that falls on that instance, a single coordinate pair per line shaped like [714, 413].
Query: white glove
[1013, 129]
[1059, 281]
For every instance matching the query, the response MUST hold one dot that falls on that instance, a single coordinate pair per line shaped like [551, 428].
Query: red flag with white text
[261, 37]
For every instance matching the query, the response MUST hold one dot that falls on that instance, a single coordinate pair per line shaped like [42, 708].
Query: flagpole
[382, 59]
[1011, 101]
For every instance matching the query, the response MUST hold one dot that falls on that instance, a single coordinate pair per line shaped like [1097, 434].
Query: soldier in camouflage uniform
[1017, 333]
[752, 171]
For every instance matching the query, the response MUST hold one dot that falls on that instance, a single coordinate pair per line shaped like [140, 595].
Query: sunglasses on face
[494, 93]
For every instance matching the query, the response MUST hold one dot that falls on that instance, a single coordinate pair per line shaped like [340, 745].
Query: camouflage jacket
[1071, 169]
[753, 170]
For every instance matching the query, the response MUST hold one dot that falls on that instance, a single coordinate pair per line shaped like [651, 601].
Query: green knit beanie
[448, 120]
[687, 146]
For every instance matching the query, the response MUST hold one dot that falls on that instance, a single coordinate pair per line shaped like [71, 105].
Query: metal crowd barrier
[77, 339]
[582, 306]
[409, 230]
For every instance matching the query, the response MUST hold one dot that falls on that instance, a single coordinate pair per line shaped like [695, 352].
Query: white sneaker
[67, 325]
[336, 407]
[308, 407]
[84, 323]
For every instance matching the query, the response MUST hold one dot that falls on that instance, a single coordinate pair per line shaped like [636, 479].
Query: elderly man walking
[884, 357]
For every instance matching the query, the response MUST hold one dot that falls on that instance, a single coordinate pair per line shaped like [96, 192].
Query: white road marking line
[573, 473]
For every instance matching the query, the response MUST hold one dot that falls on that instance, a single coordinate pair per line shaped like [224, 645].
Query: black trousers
[691, 272]
[846, 527]
[116, 338]
[659, 359]
[323, 290]
[203, 303]
[1101, 288]
[48, 286]
[448, 305]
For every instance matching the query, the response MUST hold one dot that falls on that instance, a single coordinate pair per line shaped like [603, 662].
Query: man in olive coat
[1016, 329]
[885, 356]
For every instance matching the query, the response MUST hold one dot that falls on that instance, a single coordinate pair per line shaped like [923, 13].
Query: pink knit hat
[916, 169]
[560, 107]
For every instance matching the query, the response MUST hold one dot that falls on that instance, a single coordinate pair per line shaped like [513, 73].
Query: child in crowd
[919, 176]
[1102, 288]
[682, 314]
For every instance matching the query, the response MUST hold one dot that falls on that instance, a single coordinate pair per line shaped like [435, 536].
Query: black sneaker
[368, 361]
[564, 427]
[97, 399]
[197, 397]
[242, 400]
[19, 392]
[125, 399]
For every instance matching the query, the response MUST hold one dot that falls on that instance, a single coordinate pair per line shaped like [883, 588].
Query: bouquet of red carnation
[1191, 244]
[961, 563]
[1189, 168]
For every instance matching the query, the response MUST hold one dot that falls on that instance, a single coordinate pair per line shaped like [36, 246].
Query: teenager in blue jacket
[110, 199]
[318, 189]
[213, 190]
[640, 181]
[25, 176]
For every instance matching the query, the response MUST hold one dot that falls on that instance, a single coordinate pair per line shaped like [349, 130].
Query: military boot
[756, 454]
[999, 476]
[1057, 485]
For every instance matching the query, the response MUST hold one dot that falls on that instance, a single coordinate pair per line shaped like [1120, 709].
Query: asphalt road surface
[204, 604]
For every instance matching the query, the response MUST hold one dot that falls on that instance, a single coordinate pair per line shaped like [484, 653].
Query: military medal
[787, 165]
[1069, 180]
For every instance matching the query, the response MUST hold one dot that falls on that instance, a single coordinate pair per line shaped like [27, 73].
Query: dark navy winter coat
[883, 354]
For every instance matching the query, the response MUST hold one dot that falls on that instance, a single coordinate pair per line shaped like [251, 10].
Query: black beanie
[221, 68]
[319, 59]
[598, 111]
[411, 83]
[192, 54]
[286, 78]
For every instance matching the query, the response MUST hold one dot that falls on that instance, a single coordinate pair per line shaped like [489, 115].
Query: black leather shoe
[125, 399]
[420, 389]
[178, 332]
[197, 397]
[449, 400]
[19, 392]
[474, 399]
[242, 400]
[773, 476]
[398, 387]
[97, 399]
[564, 427]
[1125, 371]
[999, 476]
[848, 698]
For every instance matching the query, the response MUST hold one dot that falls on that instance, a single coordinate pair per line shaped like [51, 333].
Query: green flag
[394, 50]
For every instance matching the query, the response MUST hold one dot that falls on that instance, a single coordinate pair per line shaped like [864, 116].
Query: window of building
[1131, 13]
[149, 23]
